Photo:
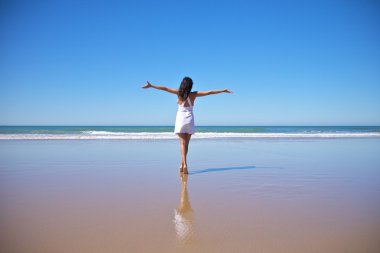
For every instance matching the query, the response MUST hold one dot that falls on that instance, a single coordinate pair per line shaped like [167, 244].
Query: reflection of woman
[183, 214]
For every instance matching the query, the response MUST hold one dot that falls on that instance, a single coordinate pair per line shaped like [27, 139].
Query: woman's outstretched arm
[211, 92]
[149, 85]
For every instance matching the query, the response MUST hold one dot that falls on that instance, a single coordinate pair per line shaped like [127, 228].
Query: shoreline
[169, 136]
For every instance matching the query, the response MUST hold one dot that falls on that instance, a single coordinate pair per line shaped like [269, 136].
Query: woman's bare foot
[185, 170]
[181, 168]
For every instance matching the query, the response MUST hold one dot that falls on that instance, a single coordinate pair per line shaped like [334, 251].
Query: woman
[184, 124]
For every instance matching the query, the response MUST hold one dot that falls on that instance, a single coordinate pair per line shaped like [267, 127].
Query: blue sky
[288, 62]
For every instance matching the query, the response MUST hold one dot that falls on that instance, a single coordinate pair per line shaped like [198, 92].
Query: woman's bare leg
[188, 137]
[187, 141]
[182, 144]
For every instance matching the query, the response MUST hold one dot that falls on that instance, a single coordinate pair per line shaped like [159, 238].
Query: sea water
[167, 132]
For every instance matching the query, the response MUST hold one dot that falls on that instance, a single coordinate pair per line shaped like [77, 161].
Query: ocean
[202, 132]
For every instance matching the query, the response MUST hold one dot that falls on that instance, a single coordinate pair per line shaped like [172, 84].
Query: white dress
[184, 122]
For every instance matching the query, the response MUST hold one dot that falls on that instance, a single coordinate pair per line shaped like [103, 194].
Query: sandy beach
[240, 196]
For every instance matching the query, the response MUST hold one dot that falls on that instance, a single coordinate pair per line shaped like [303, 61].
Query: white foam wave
[89, 135]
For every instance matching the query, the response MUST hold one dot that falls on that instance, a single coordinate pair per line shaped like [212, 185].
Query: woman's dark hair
[185, 88]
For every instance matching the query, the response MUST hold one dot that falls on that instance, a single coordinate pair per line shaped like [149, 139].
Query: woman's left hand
[147, 85]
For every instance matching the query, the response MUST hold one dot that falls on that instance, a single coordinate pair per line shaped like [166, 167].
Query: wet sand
[241, 196]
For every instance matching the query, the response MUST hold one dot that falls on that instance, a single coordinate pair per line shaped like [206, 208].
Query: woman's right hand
[147, 85]
[227, 91]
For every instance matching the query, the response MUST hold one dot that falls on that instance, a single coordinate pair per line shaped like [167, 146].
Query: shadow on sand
[221, 169]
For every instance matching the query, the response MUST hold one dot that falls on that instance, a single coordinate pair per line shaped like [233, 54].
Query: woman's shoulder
[193, 96]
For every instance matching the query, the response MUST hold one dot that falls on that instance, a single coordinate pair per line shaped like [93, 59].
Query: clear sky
[301, 62]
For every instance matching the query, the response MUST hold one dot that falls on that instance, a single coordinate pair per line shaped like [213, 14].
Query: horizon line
[195, 126]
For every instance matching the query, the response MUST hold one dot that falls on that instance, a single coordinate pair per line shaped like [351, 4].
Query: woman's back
[186, 102]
